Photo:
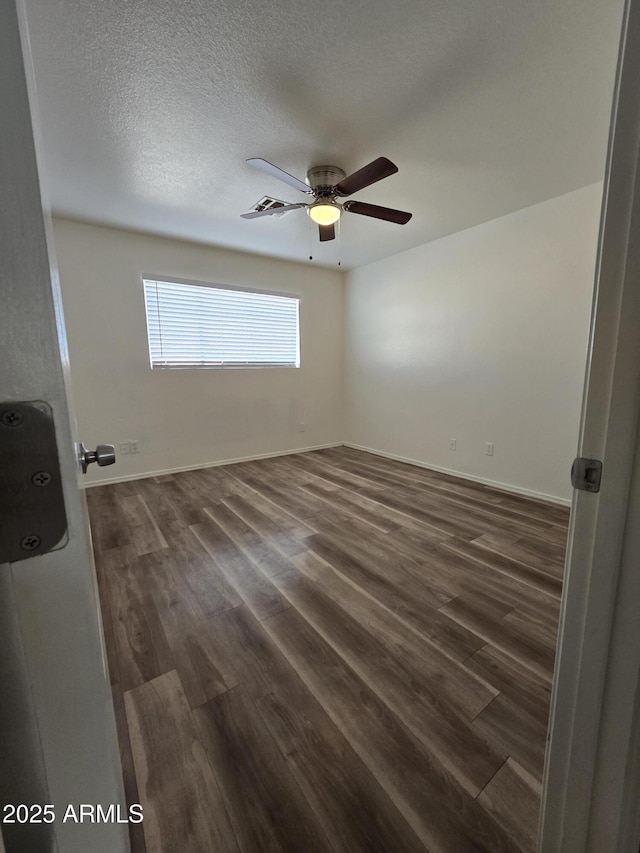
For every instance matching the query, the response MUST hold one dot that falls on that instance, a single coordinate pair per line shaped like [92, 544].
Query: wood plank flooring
[329, 651]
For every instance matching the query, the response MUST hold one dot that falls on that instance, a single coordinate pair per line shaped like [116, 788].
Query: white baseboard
[504, 487]
[127, 477]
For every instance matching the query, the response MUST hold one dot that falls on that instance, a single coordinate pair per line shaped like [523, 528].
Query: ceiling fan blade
[400, 217]
[375, 171]
[255, 214]
[327, 232]
[275, 172]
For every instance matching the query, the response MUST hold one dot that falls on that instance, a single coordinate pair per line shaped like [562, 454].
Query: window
[203, 325]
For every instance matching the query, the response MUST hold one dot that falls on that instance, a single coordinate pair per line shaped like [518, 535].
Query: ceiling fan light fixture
[324, 212]
[326, 184]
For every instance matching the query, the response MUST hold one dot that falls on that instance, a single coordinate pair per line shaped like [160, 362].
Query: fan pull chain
[310, 237]
[339, 239]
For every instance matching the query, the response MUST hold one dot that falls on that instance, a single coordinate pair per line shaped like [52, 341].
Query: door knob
[104, 454]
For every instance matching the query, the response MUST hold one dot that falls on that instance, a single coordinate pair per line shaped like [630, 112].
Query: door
[592, 778]
[57, 731]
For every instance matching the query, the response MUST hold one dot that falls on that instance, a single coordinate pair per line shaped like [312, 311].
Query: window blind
[193, 325]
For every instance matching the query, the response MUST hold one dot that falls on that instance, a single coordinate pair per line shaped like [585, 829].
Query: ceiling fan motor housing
[322, 179]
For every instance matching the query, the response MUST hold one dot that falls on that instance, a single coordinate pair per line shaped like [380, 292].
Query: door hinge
[586, 474]
[32, 514]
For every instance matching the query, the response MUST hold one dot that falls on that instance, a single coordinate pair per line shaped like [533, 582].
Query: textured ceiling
[149, 109]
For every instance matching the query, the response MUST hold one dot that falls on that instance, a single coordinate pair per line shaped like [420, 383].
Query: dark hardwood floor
[329, 651]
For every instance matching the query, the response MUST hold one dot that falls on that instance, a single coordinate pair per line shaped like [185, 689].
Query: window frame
[150, 277]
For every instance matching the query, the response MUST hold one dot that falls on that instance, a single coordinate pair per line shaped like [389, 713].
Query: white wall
[190, 417]
[481, 337]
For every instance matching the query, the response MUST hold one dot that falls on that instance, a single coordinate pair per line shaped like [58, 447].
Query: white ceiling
[149, 109]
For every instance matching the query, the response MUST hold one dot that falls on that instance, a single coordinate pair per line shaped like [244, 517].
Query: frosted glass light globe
[324, 213]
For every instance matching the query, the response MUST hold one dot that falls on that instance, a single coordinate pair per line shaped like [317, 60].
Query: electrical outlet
[489, 448]
[134, 446]
[124, 447]
[302, 427]
[452, 444]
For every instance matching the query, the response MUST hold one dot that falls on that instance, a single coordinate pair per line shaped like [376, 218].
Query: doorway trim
[592, 772]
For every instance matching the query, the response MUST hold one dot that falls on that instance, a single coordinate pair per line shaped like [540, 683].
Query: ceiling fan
[327, 184]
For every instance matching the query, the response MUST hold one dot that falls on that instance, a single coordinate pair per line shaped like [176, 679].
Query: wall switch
[302, 427]
[489, 448]
[124, 447]
[452, 444]
[134, 447]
